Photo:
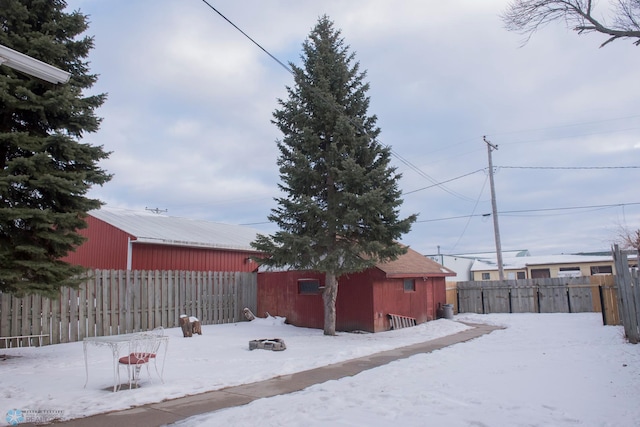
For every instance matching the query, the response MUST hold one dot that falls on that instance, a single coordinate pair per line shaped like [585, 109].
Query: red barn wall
[166, 257]
[354, 306]
[105, 248]
[278, 295]
[439, 294]
[364, 300]
[421, 304]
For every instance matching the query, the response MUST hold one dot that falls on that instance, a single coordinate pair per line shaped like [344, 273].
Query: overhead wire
[564, 126]
[394, 153]
[615, 205]
[568, 167]
[431, 179]
[443, 182]
[528, 141]
[464, 230]
[247, 36]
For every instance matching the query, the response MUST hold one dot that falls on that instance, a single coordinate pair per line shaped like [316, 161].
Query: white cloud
[191, 99]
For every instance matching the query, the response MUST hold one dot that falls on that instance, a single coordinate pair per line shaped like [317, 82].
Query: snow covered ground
[542, 370]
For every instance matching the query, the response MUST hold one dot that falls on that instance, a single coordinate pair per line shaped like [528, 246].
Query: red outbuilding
[121, 239]
[413, 286]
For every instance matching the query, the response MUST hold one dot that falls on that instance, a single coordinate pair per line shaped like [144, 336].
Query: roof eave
[156, 241]
[417, 275]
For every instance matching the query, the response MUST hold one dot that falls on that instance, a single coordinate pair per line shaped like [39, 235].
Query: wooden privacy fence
[550, 295]
[114, 302]
[628, 285]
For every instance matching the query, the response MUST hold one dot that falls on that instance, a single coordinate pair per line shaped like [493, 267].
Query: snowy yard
[549, 369]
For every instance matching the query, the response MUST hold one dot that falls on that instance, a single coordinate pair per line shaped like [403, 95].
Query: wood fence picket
[550, 295]
[628, 296]
[111, 302]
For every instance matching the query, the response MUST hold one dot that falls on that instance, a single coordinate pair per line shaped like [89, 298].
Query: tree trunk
[329, 296]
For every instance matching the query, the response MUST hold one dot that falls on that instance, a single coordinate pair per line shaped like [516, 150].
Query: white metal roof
[523, 262]
[149, 227]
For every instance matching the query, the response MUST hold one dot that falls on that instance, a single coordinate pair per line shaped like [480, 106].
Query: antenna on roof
[156, 210]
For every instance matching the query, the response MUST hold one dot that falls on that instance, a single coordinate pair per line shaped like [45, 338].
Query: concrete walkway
[170, 411]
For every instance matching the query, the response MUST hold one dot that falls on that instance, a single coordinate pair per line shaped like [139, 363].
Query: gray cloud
[191, 99]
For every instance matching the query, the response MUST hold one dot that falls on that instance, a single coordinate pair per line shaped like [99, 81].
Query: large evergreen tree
[45, 172]
[340, 210]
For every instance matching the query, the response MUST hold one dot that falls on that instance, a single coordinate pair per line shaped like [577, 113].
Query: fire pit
[275, 344]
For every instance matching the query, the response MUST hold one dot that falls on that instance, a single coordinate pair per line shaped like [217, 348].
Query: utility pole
[494, 207]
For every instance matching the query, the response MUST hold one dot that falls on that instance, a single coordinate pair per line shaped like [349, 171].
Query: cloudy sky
[190, 102]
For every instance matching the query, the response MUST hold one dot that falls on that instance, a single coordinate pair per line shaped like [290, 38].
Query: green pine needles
[340, 213]
[45, 171]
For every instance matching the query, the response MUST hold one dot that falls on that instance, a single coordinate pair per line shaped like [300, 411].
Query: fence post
[626, 301]
[635, 295]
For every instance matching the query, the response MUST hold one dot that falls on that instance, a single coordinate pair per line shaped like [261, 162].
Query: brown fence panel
[116, 302]
[496, 297]
[580, 299]
[470, 297]
[628, 296]
[552, 296]
[452, 295]
[524, 297]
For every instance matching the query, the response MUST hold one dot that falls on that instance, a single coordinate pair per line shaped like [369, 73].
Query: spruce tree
[339, 213]
[45, 171]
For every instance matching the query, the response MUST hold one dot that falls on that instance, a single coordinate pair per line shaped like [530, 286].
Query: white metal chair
[157, 332]
[142, 350]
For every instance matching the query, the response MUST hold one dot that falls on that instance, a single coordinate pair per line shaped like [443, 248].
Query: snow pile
[220, 357]
[543, 370]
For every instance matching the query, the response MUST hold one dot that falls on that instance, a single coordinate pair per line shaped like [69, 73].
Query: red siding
[391, 298]
[278, 296]
[105, 248]
[364, 300]
[165, 257]
[354, 306]
[439, 293]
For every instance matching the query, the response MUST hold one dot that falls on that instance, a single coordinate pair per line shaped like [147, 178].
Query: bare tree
[629, 239]
[527, 16]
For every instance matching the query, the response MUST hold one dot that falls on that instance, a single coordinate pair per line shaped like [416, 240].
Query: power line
[395, 154]
[407, 162]
[464, 230]
[521, 167]
[568, 167]
[568, 136]
[571, 208]
[443, 182]
[565, 125]
[533, 210]
[247, 36]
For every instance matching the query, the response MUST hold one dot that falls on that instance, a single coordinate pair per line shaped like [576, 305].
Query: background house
[462, 263]
[411, 286]
[537, 267]
[122, 239]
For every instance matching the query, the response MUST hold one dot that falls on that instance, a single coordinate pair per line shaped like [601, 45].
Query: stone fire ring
[275, 344]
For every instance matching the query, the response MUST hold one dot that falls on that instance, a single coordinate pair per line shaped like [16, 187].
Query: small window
[309, 287]
[569, 272]
[409, 285]
[486, 276]
[521, 275]
[540, 273]
[601, 269]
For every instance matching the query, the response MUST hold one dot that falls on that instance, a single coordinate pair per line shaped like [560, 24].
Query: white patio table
[118, 343]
